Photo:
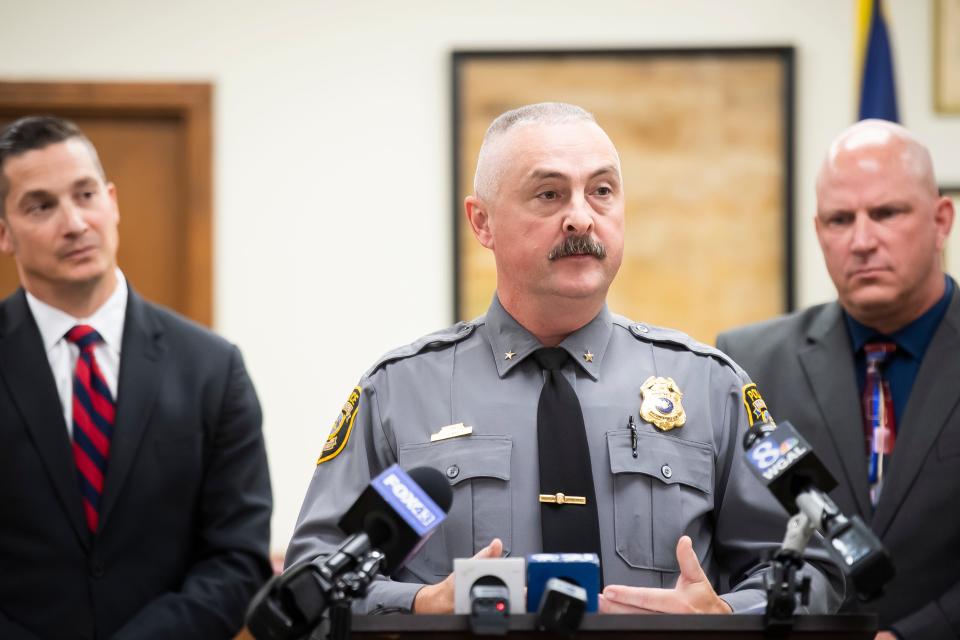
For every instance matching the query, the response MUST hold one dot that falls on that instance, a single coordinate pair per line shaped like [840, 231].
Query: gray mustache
[578, 246]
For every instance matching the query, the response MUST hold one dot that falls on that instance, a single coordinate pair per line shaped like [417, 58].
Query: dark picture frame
[706, 138]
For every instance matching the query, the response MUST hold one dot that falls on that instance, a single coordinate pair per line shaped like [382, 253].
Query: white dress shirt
[62, 354]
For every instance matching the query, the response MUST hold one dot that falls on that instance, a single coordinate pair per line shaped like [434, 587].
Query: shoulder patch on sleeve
[755, 405]
[662, 335]
[442, 338]
[342, 427]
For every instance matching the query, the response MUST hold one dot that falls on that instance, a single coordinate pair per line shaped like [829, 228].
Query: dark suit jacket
[185, 512]
[803, 365]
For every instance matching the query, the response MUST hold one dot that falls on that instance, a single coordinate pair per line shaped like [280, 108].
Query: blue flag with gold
[878, 95]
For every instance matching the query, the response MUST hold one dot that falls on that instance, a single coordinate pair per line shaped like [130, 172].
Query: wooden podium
[621, 627]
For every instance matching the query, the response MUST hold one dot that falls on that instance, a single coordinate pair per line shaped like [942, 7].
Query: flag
[878, 95]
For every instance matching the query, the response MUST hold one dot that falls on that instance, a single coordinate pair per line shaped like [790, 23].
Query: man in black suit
[133, 477]
[873, 379]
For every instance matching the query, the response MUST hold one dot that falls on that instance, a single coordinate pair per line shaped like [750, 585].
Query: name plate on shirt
[451, 431]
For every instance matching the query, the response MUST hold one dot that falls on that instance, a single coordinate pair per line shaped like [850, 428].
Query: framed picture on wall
[946, 55]
[706, 145]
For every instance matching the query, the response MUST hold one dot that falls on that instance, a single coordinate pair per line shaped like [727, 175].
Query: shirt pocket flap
[461, 459]
[668, 459]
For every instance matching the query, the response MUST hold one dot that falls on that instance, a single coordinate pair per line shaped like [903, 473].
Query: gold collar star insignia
[588, 356]
[509, 355]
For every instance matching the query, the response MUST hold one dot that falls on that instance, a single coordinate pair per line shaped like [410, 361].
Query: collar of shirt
[915, 337]
[507, 337]
[107, 320]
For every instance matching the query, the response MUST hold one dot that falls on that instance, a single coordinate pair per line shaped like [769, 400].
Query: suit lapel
[26, 371]
[141, 363]
[834, 386]
[932, 400]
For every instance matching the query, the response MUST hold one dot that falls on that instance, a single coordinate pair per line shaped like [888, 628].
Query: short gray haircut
[486, 180]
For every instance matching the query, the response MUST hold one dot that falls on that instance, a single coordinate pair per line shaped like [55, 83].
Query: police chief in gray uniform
[680, 516]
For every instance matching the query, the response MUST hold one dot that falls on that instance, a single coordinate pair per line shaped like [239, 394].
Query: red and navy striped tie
[93, 416]
[878, 414]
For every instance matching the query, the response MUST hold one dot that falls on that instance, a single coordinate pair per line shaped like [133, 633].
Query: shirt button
[666, 471]
[453, 471]
[96, 569]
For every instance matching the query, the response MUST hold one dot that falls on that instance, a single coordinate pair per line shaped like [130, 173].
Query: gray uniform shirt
[688, 480]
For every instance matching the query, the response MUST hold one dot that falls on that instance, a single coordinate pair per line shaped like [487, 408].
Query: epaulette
[444, 337]
[664, 335]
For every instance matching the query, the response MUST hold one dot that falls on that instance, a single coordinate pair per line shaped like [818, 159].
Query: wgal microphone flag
[878, 94]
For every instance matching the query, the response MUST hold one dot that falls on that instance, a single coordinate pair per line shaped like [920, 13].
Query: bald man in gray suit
[882, 227]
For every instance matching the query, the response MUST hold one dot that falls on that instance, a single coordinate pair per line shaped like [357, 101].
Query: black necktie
[567, 525]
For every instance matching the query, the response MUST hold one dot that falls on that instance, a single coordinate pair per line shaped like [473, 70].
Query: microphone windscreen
[785, 462]
[434, 484]
[399, 512]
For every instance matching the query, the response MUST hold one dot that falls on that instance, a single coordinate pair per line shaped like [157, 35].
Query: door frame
[191, 104]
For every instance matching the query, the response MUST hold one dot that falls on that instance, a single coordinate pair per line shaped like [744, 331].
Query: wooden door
[154, 143]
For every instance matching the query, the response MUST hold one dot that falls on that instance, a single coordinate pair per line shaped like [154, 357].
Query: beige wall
[332, 151]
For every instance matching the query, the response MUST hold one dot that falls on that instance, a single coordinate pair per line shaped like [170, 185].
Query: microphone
[785, 463]
[782, 459]
[489, 607]
[471, 572]
[386, 525]
[580, 569]
[399, 512]
[851, 542]
[561, 607]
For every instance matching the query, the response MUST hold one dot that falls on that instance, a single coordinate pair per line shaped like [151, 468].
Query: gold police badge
[661, 403]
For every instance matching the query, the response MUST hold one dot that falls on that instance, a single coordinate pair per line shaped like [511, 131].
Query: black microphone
[561, 607]
[489, 607]
[580, 569]
[395, 517]
[782, 459]
[386, 525]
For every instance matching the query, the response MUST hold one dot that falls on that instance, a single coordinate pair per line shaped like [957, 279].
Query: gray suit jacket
[803, 365]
